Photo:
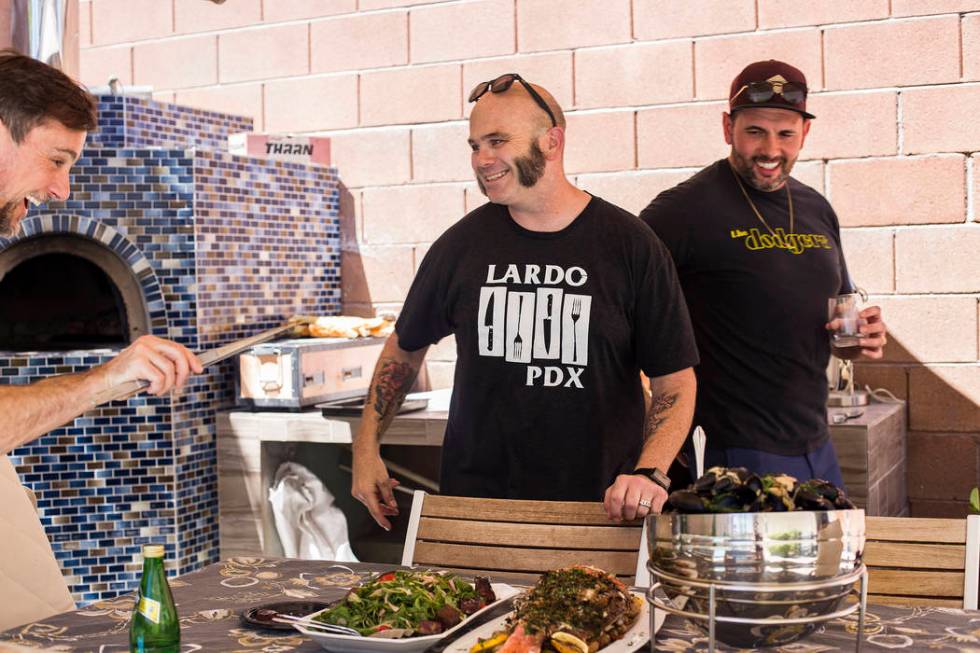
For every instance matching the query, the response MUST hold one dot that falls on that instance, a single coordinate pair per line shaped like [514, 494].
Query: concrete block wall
[896, 86]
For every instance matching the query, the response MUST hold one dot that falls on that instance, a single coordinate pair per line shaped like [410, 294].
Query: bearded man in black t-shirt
[558, 300]
[758, 255]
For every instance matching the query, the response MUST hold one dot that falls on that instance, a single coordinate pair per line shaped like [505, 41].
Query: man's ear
[806, 130]
[552, 143]
[727, 126]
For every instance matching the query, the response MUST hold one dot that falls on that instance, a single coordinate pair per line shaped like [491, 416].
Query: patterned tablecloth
[211, 600]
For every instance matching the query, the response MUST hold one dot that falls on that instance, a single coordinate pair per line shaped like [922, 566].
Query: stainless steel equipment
[757, 579]
[297, 373]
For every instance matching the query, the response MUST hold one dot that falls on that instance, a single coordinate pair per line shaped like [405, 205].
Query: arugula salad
[409, 603]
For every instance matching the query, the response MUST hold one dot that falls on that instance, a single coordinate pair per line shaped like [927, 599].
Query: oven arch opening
[61, 292]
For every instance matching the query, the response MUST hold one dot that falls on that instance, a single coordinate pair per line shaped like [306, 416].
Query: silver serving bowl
[767, 553]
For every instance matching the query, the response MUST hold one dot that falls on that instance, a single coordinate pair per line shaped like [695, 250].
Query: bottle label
[150, 609]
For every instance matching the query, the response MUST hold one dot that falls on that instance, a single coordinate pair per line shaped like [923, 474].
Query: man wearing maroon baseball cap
[758, 255]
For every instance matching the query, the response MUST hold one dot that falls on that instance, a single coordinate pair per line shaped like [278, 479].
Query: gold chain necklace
[789, 199]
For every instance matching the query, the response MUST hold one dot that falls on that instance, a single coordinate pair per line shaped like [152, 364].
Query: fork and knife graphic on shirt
[545, 324]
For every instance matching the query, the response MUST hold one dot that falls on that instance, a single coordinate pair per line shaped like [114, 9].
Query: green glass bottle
[155, 627]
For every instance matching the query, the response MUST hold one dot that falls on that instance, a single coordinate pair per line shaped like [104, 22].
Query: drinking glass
[844, 315]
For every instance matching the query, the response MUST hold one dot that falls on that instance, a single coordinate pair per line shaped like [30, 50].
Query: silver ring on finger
[646, 503]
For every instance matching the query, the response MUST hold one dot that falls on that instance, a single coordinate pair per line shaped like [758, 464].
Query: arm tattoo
[391, 384]
[660, 406]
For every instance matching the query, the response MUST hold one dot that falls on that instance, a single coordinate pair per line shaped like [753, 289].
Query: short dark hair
[32, 92]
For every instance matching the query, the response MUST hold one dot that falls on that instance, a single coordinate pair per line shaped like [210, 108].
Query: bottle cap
[152, 550]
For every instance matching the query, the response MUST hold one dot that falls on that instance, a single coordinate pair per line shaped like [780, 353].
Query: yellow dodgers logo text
[795, 243]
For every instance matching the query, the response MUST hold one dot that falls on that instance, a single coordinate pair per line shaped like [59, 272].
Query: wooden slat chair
[915, 561]
[521, 538]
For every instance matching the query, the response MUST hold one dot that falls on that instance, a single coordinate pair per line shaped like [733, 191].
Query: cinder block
[933, 118]
[164, 96]
[263, 53]
[925, 7]
[810, 173]
[942, 466]
[551, 70]
[311, 103]
[975, 213]
[970, 35]
[121, 21]
[701, 125]
[239, 99]
[372, 157]
[197, 16]
[897, 191]
[299, 9]
[366, 5]
[84, 23]
[788, 13]
[852, 125]
[668, 19]
[854, 56]
[96, 66]
[351, 224]
[631, 190]
[656, 73]
[579, 24]
[484, 28]
[893, 378]
[944, 398]
[930, 329]
[410, 214]
[176, 63]
[718, 60]
[870, 255]
[938, 259]
[407, 95]
[441, 153]
[601, 141]
[359, 41]
[376, 274]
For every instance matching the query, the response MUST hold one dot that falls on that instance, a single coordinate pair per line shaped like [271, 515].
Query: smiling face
[35, 170]
[506, 136]
[765, 144]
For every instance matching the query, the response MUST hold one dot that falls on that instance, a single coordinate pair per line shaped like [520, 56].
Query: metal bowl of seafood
[785, 565]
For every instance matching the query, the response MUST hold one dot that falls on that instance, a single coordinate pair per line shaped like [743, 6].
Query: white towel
[310, 526]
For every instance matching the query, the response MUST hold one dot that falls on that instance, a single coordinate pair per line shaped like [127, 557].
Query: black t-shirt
[552, 330]
[758, 303]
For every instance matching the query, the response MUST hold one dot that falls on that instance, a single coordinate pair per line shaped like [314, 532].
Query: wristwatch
[655, 475]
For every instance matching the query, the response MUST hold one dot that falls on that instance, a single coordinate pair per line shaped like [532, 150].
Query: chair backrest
[521, 538]
[913, 561]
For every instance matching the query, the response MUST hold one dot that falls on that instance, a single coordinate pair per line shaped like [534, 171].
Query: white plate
[352, 644]
[634, 639]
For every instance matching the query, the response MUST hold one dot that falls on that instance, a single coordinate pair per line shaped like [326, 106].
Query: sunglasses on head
[763, 91]
[504, 82]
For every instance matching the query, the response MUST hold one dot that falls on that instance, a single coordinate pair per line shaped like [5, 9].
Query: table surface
[211, 600]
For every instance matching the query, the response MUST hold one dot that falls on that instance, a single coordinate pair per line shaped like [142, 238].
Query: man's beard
[530, 168]
[746, 171]
[7, 211]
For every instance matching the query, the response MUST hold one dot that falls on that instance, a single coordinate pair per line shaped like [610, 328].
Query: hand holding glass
[844, 314]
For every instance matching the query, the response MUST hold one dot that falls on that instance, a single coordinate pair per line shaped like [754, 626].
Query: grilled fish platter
[571, 610]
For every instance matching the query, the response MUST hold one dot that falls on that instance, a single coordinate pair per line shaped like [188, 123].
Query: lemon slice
[487, 644]
[568, 643]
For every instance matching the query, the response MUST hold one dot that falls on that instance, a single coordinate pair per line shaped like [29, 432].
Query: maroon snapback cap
[767, 84]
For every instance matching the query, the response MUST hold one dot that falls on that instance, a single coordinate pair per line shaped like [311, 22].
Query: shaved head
[518, 104]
